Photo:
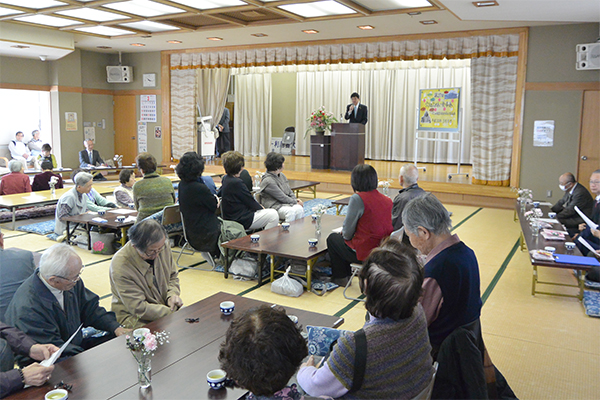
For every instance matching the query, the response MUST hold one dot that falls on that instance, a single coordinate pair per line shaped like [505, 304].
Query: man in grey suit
[575, 195]
[409, 175]
[16, 265]
[90, 158]
[223, 141]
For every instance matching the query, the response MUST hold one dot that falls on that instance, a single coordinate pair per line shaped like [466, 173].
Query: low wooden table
[339, 204]
[179, 368]
[288, 244]
[111, 223]
[529, 242]
[55, 170]
[298, 186]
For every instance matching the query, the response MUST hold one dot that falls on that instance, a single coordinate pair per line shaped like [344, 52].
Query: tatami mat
[545, 346]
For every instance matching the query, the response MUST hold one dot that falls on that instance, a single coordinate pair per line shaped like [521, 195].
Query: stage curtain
[391, 92]
[211, 92]
[252, 110]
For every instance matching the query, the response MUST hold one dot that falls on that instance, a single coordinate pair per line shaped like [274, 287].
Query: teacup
[120, 219]
[140, 332]
[101, 213]
[131, 205]
[293, 318]
[552, 215]
[285, 226]
[57, 394]
[254, 238]
[216, 379]
[312, 242]
[227, 307]
[570, 246]
[550, 249]
[536, 204]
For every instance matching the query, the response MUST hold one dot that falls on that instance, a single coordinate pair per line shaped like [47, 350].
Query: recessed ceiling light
[35, 4]
[259, 34]
[48, 20]
[105, 31]
[215, 38]
[318, 9]
[8, 11]
[137, 44]
[174, 41]
[20, 46]
[485, 3]
[310, 31]
[150, 26]
[365, 27]
[145, 8]
[209, 4]
[414, 13]
[430, 22]
[103, 47]
[92, 14]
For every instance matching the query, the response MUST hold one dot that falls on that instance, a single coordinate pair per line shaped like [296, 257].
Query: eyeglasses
[594, 182]
[77, 278]
[152, 253]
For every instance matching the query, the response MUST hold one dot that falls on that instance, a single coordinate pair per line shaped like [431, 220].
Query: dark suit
[361, 114]
[223, 141]
[587, 232]
[565, 208]
[84, 159]
[401, 200]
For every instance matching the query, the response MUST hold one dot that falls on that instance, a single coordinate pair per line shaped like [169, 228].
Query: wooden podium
[347, 146]
[320, 146]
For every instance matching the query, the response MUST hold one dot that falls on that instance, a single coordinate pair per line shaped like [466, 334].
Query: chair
[426, 393]
[355, 270]
[206, 255]
[171, 216]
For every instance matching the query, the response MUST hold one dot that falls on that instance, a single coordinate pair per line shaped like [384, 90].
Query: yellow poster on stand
[439, 110]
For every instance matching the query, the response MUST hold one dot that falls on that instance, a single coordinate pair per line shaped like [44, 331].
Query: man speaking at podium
[356, 112]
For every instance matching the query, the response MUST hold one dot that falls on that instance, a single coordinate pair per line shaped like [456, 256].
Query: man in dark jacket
[53, 302]
[575, 195]
[409, 175]
[356, 112]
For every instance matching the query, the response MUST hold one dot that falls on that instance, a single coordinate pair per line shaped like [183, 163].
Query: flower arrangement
[319, 209]
[320, 120]
[142, 344]
[118, 160]
[53, 181]
[385, 185]
[98, 247]
[258, 178]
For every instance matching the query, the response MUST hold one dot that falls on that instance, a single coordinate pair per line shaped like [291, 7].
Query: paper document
[131, 218]
[52, 359]
[587, 221]
[586, 244]
[100, 220]
[121, 211]
[548, 220]
[337, 230]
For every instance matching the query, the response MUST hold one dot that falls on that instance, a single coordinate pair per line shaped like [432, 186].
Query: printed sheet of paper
[586, 244]
[587, 221]
[121, 211]
[50, 361]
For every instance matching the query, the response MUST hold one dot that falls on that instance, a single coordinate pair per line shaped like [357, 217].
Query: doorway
[589, 142]
[124, 111]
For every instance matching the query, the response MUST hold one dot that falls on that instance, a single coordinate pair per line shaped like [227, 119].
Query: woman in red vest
[369, 219]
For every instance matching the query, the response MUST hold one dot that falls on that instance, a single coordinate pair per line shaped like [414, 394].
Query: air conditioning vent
[119, 74]
[588, 56]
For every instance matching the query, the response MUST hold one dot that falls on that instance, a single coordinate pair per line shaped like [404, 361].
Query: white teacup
[216, 379]
[254, 238]
[312, 242]
[57, 394]
[120, 219]
[227, 307]
[570, 246]
[552, 215]
[285, 226]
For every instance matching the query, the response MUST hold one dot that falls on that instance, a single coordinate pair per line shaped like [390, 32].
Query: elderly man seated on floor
[16, 181]
[52, 303]
[143, 277]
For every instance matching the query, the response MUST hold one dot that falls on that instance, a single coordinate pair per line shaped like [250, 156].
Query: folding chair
[355, 271]
[206, 255]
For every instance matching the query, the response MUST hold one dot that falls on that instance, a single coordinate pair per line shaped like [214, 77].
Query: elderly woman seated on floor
[16, 181]
[74, 202]
[262, 350]
[393, 346]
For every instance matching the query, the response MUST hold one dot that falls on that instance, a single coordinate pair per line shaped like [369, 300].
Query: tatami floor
[546, 346]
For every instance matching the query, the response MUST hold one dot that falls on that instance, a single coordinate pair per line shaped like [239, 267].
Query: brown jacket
[137, 300]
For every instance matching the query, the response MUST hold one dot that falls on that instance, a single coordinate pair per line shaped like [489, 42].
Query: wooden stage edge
[458, 192]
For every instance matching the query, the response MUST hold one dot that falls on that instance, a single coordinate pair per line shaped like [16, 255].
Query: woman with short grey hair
[16, 181]
[74, 202]
[143, 277]
[427, 212]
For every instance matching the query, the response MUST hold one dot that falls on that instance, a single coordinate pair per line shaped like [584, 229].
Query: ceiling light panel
[144, 8]
[92, 14]
[105, 31]
[36, 4]
[150, 26]
[209, 4]
[8, 11]
[318, 9]
[383, 5]
[48, 20]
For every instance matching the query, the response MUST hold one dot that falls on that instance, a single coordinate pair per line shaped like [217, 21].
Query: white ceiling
[451, 15]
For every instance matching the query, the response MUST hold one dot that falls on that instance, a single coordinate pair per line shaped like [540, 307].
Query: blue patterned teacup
[216, 379]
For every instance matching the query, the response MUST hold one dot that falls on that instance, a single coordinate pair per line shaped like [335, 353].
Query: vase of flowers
[317, 215]
[142, 344]
[320, 121]
[53, 181]
[119, 160]
[386, 187]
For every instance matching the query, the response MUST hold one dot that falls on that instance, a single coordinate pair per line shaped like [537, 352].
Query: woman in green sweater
[154, 192]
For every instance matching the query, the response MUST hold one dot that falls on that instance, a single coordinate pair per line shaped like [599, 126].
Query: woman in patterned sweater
[398, 364]
[154, 192]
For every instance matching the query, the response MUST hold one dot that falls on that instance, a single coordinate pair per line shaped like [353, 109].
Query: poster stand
[426, 123]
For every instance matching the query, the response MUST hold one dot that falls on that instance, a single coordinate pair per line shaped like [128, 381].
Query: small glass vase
[144, 371]
[120, 163]
[53, 190]
[386, 191]
[318, 225]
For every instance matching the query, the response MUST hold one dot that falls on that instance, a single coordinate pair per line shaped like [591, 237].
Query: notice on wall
[142, 134]
[89, 133]
[148, 108]
[70, 121]
[157, 132]
[439, 110]
[543, 133]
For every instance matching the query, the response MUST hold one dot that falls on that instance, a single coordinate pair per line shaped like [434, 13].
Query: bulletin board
[439, 110]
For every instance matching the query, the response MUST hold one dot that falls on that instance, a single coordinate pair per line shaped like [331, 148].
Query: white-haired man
[52, 303]
[409, 175]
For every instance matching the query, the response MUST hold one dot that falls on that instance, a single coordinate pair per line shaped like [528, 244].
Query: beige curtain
[211, 92]
[252, 110]
[183, 111]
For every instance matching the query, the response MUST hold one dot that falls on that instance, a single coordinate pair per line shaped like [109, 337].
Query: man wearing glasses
[143, 277]
[53, 302]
